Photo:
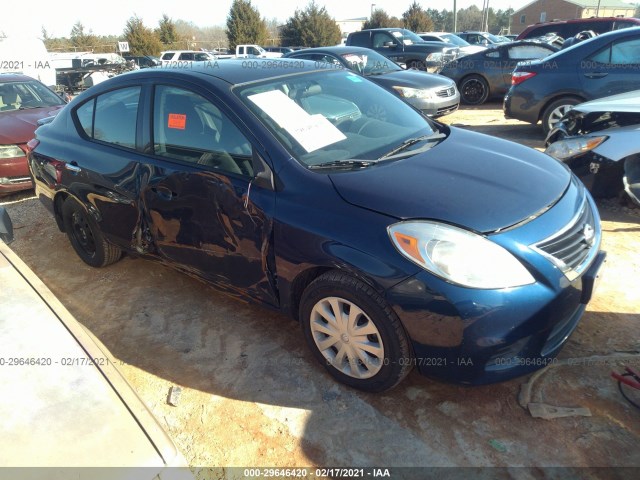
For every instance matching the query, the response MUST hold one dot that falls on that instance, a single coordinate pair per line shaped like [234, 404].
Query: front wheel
[85, 236]
[474, 90]
[353, 332]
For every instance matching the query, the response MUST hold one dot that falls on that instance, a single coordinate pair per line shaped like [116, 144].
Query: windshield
[334, 116]
[406, 36]
[24, 95]
[454, 39]
[370, 63]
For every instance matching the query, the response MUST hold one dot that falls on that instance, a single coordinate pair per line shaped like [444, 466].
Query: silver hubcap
[557, 114]
[347, 337]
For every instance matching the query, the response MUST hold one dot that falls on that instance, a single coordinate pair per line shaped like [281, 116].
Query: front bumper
[494, 339]
[601, 176]
[478, 336]
[442, 104]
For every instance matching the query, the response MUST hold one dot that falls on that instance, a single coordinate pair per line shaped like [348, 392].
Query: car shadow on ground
[244, 369]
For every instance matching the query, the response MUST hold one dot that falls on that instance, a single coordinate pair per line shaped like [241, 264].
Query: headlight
[10, 151]
[458, 256]
[413, 92]
[571, 147]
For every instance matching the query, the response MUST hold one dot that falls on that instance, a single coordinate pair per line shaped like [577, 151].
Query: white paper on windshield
[310, 131]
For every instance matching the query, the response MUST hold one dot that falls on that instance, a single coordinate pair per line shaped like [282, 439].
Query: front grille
[447, 92]
[571, 248]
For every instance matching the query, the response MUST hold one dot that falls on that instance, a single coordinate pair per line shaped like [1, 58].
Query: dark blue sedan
[395, 243]
[544, 90]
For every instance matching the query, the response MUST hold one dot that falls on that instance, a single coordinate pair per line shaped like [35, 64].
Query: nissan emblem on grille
[589, 234]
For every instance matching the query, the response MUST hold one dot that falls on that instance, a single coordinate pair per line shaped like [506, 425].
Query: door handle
[596, 75]
[72, 167]
[164, 193]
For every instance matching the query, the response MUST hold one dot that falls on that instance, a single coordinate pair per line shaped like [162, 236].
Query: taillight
[518, 77]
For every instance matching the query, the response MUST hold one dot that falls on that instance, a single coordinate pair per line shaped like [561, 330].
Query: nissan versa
[395, 243]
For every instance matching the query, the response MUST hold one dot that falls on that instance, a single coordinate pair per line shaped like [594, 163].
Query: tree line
[311, 26]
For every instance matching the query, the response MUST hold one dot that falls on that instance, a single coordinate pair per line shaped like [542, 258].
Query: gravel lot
[252, 395]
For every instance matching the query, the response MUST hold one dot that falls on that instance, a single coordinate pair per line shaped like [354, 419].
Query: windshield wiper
[412, 141]
[343, 164]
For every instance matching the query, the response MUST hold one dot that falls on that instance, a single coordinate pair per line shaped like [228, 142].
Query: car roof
[234, 71]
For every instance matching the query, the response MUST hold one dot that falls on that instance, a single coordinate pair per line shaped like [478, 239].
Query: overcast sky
[26, 18]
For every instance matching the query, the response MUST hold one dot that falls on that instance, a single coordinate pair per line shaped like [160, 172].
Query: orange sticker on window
[177, 120]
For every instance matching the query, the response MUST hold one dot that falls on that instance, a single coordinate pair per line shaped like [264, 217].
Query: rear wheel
[556, 110]
[85, 236]
[474, 90]
[353, 332]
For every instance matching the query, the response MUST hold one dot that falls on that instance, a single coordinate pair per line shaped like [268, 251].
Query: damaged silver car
[598, 140]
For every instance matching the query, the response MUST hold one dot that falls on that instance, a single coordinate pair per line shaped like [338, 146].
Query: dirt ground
[252, 395]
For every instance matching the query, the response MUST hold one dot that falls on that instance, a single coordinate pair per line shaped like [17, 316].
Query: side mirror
[6, 227]
[389, 45]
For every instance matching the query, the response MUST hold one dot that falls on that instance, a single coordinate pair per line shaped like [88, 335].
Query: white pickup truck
[251, 51]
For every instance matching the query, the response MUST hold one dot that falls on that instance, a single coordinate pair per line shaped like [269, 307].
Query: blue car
[544, 90]
[395, 243]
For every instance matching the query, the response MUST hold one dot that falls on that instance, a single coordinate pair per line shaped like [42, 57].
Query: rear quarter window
[111, 117]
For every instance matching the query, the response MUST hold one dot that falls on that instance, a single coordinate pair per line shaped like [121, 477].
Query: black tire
[474, 90]
[85, 236]
[418, 65]
[555, 110]
[392, 357]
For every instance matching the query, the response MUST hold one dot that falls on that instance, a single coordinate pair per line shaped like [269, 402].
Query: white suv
[171, 56]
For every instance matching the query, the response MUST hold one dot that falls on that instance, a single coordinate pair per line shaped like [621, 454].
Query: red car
[23, 101]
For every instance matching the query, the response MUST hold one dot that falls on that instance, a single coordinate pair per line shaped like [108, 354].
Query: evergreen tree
[245, 25]
[381, 19]
[311, 27]
[416, 19]
[166, 30]
[142, 40]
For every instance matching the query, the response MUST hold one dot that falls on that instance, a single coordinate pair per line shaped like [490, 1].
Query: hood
[411, 79]
[18, 126]
[469, 179]
[623, 102]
